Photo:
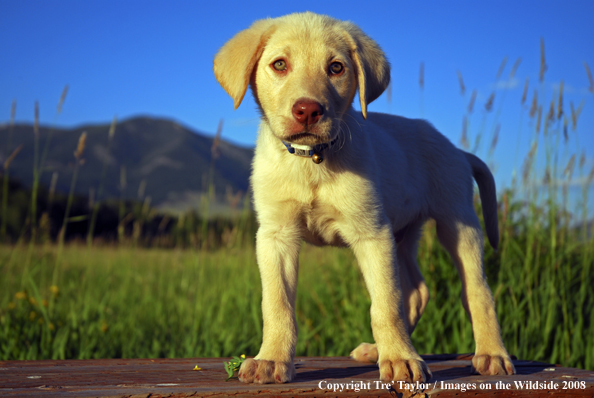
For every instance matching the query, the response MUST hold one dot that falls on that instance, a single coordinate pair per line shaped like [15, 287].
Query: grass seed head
[514, 69]
[495, 139]
[471, 103]
[543, 63]
[534, 106]
[464, 137]
[422, 75]
[461, 82]
[53, 184]
[560, 101]
[575, 113]
[62, 99]
[551, 114]
[565, 135]
[9, 160]
[589, 73]
[214, 149]
[112, 128]
[233, 199]
[525, 92]
[141, 189]
[546, 179]
[538, 119]
[36, 120]
[12, 113]
[569, 168]
[489, 103]
[528, 162]
[501, 67]
[80, 149]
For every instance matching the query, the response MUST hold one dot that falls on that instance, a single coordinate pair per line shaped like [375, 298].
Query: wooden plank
[318, 376]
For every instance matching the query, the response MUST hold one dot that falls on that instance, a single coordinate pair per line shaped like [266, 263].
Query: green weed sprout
[233, 366]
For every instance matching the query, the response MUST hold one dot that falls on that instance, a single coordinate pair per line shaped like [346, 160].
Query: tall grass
[97, 202]
[130, 302]
[5, 177]
[39, 159]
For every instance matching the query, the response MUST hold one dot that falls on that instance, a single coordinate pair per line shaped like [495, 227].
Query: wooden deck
[319, 376]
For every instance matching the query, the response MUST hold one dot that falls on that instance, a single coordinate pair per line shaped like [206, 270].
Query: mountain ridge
[173, 160]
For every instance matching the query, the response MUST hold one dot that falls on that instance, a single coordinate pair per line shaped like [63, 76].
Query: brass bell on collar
[317, 158]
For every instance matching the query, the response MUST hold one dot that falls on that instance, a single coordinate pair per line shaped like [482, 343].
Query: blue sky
[151, 57]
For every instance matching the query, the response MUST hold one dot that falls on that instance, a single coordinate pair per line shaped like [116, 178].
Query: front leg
[397, 358]
[277, 250]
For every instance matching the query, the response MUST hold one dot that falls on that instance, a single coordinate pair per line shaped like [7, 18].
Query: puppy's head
[304, 70]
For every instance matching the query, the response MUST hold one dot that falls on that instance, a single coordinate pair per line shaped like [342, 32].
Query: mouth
[301, 135]
[305, 138]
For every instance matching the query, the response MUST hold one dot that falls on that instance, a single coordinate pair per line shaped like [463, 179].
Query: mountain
[170, 160]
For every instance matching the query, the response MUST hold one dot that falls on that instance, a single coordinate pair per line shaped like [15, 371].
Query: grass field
[109, 302]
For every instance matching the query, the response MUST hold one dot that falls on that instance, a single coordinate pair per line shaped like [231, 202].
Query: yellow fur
[382, 179]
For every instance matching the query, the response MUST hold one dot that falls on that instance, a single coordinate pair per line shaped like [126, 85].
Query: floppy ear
[235, 61]
[373, 69]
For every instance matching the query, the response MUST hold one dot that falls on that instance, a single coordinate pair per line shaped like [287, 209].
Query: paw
[409, 370]
[365, 352]
[263, 372]
[492, 365]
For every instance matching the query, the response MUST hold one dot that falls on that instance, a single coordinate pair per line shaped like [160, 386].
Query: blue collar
[314, 152]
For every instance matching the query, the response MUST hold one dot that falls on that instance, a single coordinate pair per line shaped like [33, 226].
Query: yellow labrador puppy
[327, 174]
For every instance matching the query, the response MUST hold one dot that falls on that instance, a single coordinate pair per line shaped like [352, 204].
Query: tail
[486, 184]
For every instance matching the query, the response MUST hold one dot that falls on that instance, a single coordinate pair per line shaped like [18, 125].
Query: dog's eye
[280, 65]
[336, 68]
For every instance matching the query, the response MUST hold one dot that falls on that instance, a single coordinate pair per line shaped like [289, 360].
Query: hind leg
[414, 289]
[415, 294]
[462, 238]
